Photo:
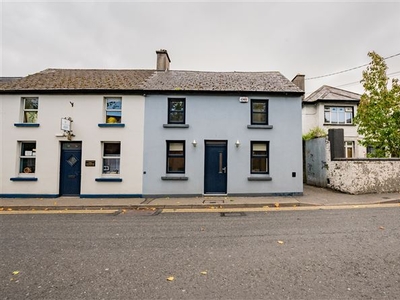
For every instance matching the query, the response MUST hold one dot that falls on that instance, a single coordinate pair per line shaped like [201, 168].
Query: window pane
[113, 117]
[176, 111]
[176, 164]
[27, 165]
[260, 147]
[30, 117]
[259, 107]
[112, 149]
[31, 103]
[259, 165]
[176, 147]
[114, 103]
[349, 117]
[259, 112]
[176, 117]
[111, 165]
[176, 105]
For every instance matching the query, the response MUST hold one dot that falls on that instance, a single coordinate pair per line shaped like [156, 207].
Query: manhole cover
[233, 214]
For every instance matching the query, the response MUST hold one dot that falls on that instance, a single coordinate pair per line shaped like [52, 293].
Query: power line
[347, 70]
[354, 82]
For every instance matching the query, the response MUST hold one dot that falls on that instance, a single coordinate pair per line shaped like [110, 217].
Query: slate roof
[221, 81]
[80, 79]
[328, 93]
[151, 80]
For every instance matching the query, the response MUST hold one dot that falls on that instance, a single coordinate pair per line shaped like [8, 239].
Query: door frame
[223, 144]
[62, 151]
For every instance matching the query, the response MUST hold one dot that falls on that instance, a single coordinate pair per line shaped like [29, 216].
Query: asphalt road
[323, 254]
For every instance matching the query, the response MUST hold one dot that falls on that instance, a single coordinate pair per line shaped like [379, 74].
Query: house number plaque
[90, 163]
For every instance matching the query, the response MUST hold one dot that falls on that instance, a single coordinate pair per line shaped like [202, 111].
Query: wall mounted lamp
[194, 143]
[237, 144]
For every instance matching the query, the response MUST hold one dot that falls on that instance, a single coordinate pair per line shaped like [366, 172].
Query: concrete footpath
[312, 196]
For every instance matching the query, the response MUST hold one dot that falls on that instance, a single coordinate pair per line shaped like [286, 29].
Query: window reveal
[111, 158]
[30, 110]
[113, 110]
[28, 157]
[175, 157]
[259, 157]
[338, 115]
[176, 111]
[259, 112]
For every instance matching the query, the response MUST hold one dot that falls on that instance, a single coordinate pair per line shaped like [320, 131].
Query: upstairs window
[259, 158]
[111, 158]
[30, 109]
[259, 112]
[28, 157]
[338, 115]
[176, 111]
[175, 157]
[113, 110]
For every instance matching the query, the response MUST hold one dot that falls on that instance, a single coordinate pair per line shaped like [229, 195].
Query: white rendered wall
[87, 112]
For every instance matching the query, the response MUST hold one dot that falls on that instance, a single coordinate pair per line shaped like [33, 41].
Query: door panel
[70, 169]
[215, 167]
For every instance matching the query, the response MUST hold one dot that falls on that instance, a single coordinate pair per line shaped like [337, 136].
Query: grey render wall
[224, 118]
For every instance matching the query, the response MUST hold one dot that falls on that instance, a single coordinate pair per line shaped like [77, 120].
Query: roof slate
[328, 93]
[221, 81]
[81, 79]
[151, 80]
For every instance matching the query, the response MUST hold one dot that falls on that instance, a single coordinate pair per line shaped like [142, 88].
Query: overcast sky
[313, 38]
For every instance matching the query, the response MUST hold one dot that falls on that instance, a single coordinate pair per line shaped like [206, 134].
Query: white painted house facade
[333, 108]
[141, 133]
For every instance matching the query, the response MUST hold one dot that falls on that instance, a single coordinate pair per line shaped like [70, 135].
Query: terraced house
[141, 133]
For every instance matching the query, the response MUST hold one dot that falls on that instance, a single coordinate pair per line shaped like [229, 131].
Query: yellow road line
[55, 212]
[271, 209]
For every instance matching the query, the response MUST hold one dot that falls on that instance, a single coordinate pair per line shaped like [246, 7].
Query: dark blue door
[215, 175]
[70, 169]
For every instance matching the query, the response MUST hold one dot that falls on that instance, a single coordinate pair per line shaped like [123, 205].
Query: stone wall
[364, 176]
[352, 176]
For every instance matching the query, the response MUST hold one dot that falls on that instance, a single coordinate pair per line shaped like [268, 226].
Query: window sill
[260, 126]
[109, 179]
[26, 124]
[176, 125]
[181, 178]
[334, 124]
[259, 178]
[111, 125]
[23, 179]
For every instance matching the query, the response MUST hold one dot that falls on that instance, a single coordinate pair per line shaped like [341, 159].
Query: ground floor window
[259, 158]
[175, 156]
[111, 157]
[28, 157]
[349, 149]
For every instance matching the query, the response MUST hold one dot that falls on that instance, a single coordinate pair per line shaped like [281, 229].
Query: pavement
[312, 196]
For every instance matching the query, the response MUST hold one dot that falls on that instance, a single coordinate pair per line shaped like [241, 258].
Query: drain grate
[214, 201]
[233, 214]
[138, 212]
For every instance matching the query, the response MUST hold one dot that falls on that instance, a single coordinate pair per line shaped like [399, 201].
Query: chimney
[299, 81]
[162, 60]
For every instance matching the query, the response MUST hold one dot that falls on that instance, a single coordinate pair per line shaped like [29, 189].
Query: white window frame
[25, 154]
[109, 111]
[29, 110]
[106, 170]
[347, 110]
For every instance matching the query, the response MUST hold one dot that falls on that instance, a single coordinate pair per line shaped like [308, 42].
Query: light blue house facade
[235, 133]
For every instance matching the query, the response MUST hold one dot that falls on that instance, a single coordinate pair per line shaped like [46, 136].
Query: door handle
[224, 170]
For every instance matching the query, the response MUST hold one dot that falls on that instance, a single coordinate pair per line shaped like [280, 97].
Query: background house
[331, 108]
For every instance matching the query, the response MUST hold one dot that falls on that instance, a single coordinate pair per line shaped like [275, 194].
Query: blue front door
[215, 164]
[70, 169]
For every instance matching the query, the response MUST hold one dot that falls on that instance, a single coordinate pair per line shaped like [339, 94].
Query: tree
[378, 115]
